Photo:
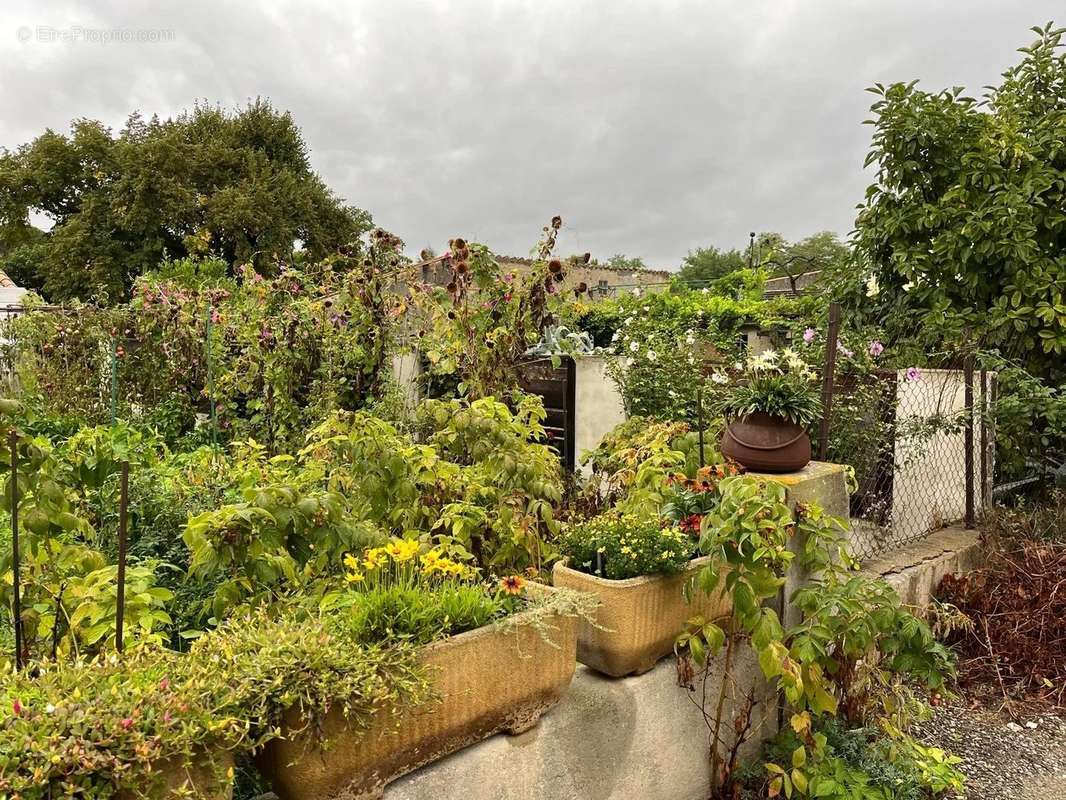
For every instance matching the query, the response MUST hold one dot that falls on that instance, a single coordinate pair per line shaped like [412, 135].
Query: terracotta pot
[491, 679]
[765, 443]
[638, 618]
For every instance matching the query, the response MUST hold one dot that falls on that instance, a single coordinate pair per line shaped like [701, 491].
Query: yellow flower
[351, 562]
[430, 558]
[402, 550]
[373, 557]
[355, 577]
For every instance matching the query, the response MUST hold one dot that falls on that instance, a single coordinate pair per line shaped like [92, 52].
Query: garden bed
[638, 618]
[500, 677]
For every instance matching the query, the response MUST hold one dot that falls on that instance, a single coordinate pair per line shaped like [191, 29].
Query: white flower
[652, 355]
[647, 308]
[615, 337]
[705, 290]
[49, 709]
[690, 340]
[634, 346]
[738, 366]
[908, 286]
[872, 289]
[720, 378]
[636, 292]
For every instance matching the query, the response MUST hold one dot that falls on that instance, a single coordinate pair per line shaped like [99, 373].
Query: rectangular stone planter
[638, 618]
[208, 776]
[489, 680]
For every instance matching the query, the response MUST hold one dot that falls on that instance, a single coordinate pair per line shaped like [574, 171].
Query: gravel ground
[1001, 758]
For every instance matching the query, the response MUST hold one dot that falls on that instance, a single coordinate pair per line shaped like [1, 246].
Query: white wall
[598, 403]
[929, 480]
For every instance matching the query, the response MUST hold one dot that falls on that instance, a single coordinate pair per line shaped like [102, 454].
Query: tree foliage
[238, 186]
[965, 226]
[706, 264]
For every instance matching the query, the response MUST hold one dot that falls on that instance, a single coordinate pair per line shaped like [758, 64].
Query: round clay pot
[764, 443]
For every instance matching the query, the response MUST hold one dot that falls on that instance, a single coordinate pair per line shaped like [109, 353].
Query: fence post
[828, 378]
[984, 437]
[17, 602]
[968, 441]
[123, 519]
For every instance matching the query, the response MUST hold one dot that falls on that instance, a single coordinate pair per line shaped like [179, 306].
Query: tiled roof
[6, 282]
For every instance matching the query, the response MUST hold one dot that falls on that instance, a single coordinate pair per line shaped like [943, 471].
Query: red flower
[126, 724]
[17, 708]
[691, 524]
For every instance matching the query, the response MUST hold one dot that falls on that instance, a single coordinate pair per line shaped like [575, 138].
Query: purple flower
[913, 374]
[809, 334]
[876, 348]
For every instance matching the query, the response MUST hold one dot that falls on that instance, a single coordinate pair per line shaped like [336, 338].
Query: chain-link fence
[921, 445]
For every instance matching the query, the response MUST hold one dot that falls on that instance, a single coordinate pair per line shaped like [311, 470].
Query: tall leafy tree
[238, 186]
[706, 264]
[965, 226]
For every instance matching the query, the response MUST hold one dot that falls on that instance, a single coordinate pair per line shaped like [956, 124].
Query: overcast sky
[652, 128]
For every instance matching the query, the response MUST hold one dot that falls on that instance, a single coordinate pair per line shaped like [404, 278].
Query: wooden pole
[123, 518]
[828, 378]
[13, 440]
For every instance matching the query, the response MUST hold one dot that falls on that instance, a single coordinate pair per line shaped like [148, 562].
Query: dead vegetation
[1016, 644]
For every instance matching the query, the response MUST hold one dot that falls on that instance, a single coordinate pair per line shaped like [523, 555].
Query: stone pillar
[820, 483]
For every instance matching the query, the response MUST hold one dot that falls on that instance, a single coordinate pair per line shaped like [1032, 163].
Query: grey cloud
[652, 128]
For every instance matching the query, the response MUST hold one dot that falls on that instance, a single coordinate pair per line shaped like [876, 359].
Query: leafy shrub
[618, 546]
[853, 764]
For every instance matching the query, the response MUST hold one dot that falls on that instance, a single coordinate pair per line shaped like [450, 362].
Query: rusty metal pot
[765, 443]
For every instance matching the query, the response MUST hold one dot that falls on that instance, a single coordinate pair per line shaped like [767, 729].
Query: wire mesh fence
[920, 442]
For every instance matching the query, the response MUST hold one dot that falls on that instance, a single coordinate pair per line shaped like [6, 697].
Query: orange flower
[513, 584]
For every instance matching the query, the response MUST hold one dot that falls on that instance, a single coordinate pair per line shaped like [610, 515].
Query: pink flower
[215, 317]
[166, 716]
[809, 334]
[876, 348]
[126, 724]
[17, 708]
[848, 353]
[913, 374]
[164, 684]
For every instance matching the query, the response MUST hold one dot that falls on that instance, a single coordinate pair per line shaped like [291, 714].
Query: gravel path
[1003, 759]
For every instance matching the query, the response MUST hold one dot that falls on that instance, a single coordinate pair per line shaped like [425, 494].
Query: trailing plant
[93, 728]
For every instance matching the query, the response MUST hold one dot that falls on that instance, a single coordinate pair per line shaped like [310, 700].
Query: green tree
[706, 264]
[965, 226]
[620, 261]
[238, 186]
